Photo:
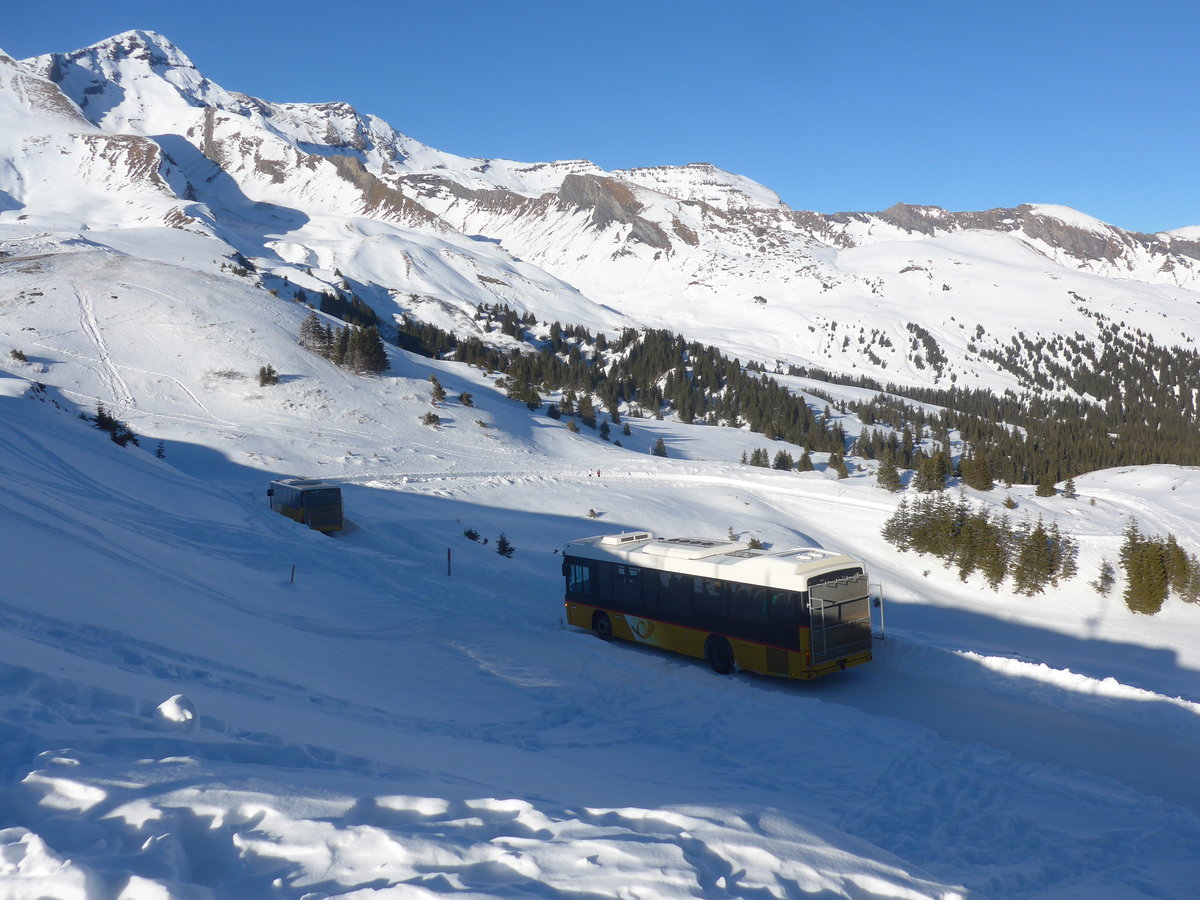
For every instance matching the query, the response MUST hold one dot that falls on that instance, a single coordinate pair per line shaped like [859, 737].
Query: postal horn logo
[643, 628]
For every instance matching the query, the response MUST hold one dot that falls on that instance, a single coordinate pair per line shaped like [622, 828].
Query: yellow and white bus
[797, 613]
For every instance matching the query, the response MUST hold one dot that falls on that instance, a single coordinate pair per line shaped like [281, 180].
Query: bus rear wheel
[601, 626]
[719, 655]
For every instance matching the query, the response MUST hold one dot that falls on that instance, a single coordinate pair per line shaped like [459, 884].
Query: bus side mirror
[270, 492]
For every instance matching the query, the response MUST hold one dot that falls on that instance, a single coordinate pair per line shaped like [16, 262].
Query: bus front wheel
[719, 655]
[601, 626]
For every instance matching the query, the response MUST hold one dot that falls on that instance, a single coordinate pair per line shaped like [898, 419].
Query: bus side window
[709, 598]
[747, 604]
[760, 606]
[602, 578]
[649, 593]
[675, 595]
[783, 607]
[627, 588]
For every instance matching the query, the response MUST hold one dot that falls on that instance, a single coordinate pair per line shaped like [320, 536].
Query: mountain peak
[130, 81]
[148, 46]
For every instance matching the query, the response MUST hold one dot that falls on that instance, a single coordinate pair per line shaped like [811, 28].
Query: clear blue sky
[836, 105]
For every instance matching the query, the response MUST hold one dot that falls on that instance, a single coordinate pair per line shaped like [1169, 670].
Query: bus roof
[712, 558]
[305, 483]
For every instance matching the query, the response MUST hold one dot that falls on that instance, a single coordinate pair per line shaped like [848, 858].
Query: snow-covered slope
[201, 698]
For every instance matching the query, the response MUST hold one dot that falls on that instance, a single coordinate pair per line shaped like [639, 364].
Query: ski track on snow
[121, 394]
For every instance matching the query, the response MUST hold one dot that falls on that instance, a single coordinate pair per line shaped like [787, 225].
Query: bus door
[840, 618]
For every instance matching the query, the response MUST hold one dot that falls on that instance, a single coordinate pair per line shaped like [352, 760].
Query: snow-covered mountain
[202, 699]
[307, 189]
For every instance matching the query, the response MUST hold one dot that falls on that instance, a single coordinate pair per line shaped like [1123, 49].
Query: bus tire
[718, 654]
[601, 626]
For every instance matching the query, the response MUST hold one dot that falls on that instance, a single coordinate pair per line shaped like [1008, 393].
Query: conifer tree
[312, 335]
[1063, 552]
[839, 465]
[897, 530]
[1146, 582]
[660, 448]
[103, 420]
[994, 555]
[587, 412]
[354, 360]
[1035, 565]
[1105, 579]
[372, 355]
[931, 473]
[340, 349]
[1045, 486]
[1177, 564]
[117, 430]
[969, 544]
[1133, 537]
[976, 472]
[888, 476]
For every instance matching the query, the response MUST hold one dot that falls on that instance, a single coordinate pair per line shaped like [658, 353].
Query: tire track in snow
[574, 475]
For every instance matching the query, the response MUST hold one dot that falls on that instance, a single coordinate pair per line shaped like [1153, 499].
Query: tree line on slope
[1124, 400]
[1031, 556]
[973, 539]
[650, 372]
[1127, 402]
[356, 348]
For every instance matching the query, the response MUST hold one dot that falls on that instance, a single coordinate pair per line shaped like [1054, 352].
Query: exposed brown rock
[611, 201]
[378, 198]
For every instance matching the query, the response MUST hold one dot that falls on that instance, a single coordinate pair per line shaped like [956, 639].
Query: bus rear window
[579, 580]
[322, 497]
